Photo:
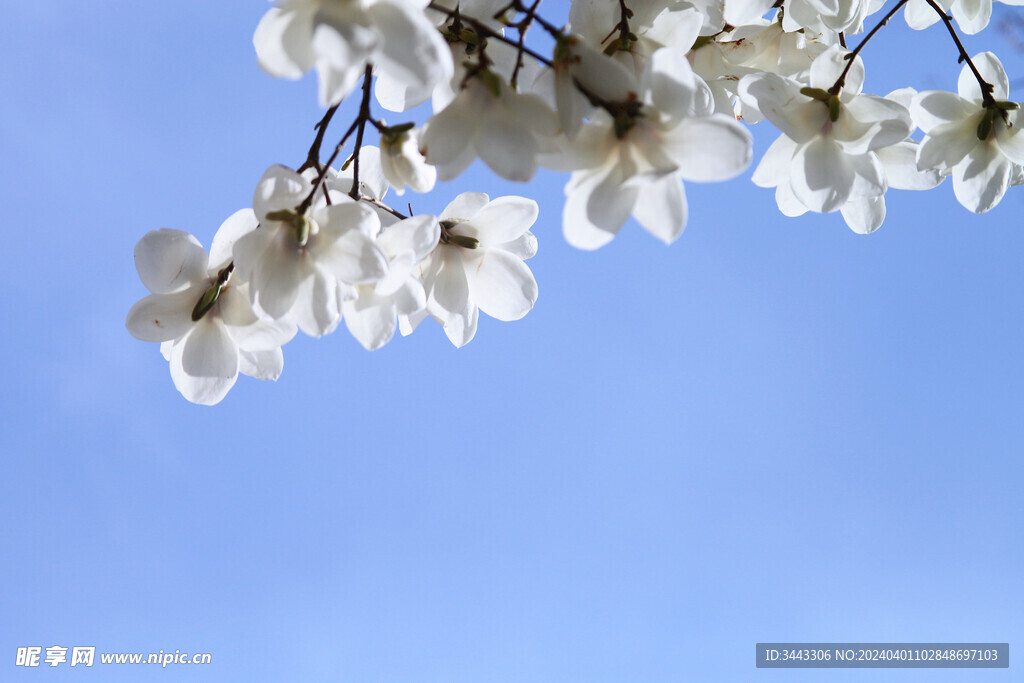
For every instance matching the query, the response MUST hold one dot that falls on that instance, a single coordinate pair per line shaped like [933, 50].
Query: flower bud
[206, 301]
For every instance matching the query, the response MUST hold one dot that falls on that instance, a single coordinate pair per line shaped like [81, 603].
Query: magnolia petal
[354, 258]
[797, 116]
[412, 50]
[400, 268]
[670, 82]
[169, 260]
[864, 215]
[981, 179]
[418, 235]
[946, 145]
[578, 230]
[449, 293]
[283, 40]
[933, 108]
[248, 250]
[990, 68]
[410, 297]
[204, 365]
[317, 309]
[775, 163]
[830, 64]
[661, 208]
[1010, 141]
[920, 15]
[900, 164]
[372, 326]
[501, 285]
[972, 16]
[342, 47]
[821, 176]
[501, 220]
[713, 148]
[449, 133]
[396, 95]
[279, 188]
[884, 123]
[460, 328]
[236, 225]
[163, 317]
[506, 145]
[337, 220]
[407, 324]
[247, 329]
[209, 350]
[275, 282]
[234, 305]
[869, 176]
[261, 364]
[788, 204]
[599, 74]
[465, 206]
[742, 12]
[523, 247]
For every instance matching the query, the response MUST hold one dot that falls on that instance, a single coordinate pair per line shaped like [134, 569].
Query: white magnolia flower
[768, 47]
[490, 120]
[970, 15]
[977, 141]
[398, 95]
[402, 164]
[579, 74]
[340, 37]
[304, 264]
[478, 266]
[652, 26]
[201, 315]
[863, 213]
[371, 314]
[632, 163]
[830, 152]
[828, 15]
[744, 12]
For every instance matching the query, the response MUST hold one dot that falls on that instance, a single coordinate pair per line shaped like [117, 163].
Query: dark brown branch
[841, 81]
[986, 87]
[313, 156]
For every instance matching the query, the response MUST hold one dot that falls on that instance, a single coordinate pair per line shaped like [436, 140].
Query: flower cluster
[306, 256]
[630, 98]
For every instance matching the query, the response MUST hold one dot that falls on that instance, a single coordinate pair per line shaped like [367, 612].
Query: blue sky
[773, 430]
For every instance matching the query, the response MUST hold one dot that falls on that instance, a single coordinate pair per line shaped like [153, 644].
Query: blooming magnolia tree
[633, 97]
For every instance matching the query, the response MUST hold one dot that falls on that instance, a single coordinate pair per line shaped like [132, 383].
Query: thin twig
[364, 115]
[488, 32]
[986, 87]
[841, 81]
[313, 156]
